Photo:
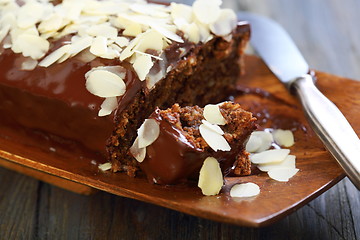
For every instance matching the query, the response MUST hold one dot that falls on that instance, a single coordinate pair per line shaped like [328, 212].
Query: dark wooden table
[328, 34]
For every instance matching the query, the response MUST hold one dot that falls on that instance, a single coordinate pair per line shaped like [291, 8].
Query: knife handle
[331, 126]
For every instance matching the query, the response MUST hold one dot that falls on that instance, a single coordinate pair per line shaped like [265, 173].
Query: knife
[284, 59]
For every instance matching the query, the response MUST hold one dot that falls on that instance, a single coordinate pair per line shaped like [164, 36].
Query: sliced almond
[85, 56]
[132, 29]
[228, 37]
[111, 53]
[122, 41]
[156, 74]
[142, 66]
[118, 70]
[283, 137]
[181, 11]
[147, 54]
[148, 132]
[282, 174]
[215, 140]
[210, 178]
[266, 140]
[104, 7]
[289, 162]
[103, 30]
[9, 17]
[207, 11]
[29, 64]
[225, 23]
[259, 141]
[129, 50]
[99, 46]
[204, 31]
[213, 127]
[213, 115]
[167, 33]
[29, 14]
[104, 83]
[105, 166]
[120, 21]
[253, 143]
[150, 40]
[52, 24]
[193, 33]
[80, 44]
[149, 9]
[73, 9]
[245, 190]
[92, 20]
[115, 47]
[181, 23]
[138, 153]
[152, 79]
[31, 46]
[270, 156]
[67, 55]
[54, 56]
[108, 106]
[31, 31]
[81, 30]
[15, 33]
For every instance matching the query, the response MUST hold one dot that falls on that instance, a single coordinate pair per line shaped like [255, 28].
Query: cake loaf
[87, 72]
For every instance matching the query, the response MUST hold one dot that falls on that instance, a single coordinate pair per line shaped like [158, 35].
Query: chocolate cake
[87, 73]
[172, 144]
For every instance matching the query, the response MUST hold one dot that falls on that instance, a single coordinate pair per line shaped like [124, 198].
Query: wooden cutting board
[274, 107]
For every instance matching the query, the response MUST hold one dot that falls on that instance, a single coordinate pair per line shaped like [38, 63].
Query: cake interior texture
[57, 57]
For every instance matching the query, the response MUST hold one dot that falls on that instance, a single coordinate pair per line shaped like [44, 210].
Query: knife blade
[284, 59]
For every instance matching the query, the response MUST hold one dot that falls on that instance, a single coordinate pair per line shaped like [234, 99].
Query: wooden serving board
[318, 170]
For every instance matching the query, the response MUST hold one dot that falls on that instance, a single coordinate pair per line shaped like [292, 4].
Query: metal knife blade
[278, 49]
[284, 59]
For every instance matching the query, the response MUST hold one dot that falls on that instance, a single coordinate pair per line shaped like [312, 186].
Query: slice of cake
[87, 73]
[172, 144]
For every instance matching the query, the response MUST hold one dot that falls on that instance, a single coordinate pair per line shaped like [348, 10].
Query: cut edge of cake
[172, 144]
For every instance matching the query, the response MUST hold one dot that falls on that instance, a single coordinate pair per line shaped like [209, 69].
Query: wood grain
[45, 177]
[327, 33]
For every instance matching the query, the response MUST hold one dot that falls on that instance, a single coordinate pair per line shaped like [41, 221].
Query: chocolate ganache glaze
[53, 100]
[186, 158]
